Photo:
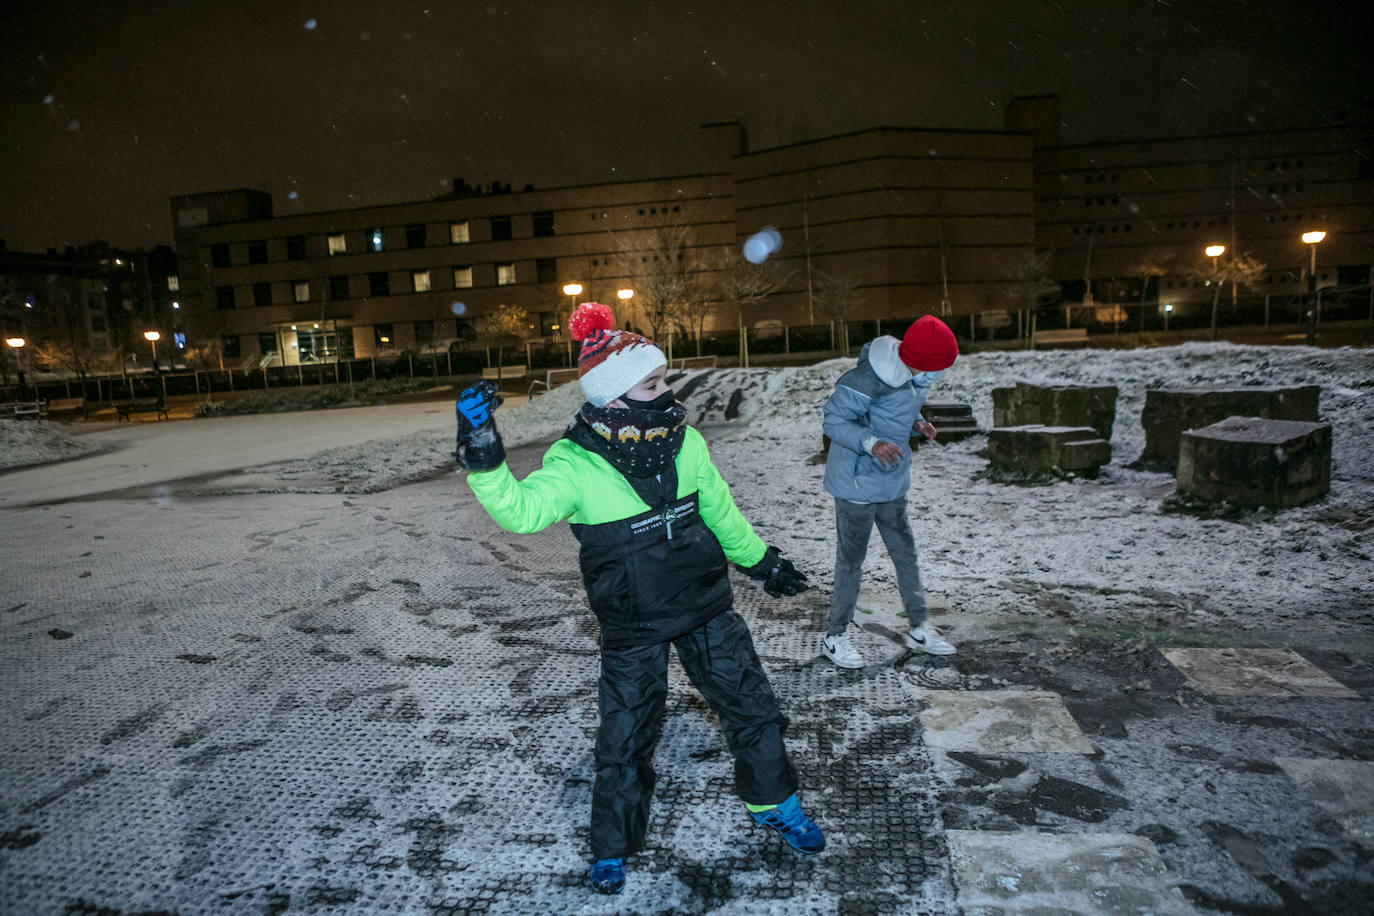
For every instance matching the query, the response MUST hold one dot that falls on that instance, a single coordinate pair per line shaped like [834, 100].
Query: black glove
[479, 445]
[779, 576]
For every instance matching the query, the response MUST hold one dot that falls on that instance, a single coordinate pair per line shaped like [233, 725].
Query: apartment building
[910, 221]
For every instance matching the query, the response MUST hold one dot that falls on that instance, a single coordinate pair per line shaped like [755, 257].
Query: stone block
[1056, 405]
[1251, 461]
[954, 421]
[1170, 411]
[1036, 449]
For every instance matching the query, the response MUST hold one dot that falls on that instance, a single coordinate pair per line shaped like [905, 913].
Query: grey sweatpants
[853, 524]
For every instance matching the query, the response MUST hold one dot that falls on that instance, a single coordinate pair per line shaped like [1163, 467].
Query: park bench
[1060, 337]
[695, 362]
[126, 408]
[551, 380]
[66, 405]
[504, 372]
[22, 410]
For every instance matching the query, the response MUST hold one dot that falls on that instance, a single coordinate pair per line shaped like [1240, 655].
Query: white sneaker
[840, 651]
[928, 639]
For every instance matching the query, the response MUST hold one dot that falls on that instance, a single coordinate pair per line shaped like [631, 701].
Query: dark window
[500, 228]
[295, 248]
[262, 294]
[424, 332]
[224, 297]
[385, 338]
[229, 346]
[543, 224]
[338, 288]
[379, 283]
[267, 343]
[465, 329]
[219, 255]
[546, 270]
[415, 236]
[547, 320]
[257, 252]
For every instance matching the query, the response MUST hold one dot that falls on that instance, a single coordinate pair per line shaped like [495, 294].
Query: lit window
[419, 281]
[337, 245]
[174, 283]
[505, 274]
[375, 240]
[458, 233]
[462, 277]
[300, 291]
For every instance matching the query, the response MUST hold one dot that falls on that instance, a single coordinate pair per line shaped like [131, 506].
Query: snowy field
[988, 550]
[284, 663]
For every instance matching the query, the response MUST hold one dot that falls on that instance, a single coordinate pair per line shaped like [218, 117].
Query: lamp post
[153, 337]
[572, 291]
[16, 345]
[1214, 252]
[1312, 240]
[1167, 310]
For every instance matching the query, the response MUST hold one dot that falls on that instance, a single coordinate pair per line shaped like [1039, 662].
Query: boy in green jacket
[656, 525]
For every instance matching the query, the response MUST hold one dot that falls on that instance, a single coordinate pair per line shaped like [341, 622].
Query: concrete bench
[1170, 411]
[127, 408]
[1251, 461]
[22, 410]
[1056, 405]
[1060, 337]
[1036, 449]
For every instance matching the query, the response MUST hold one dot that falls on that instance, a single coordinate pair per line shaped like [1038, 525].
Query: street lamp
[1312, 240]
[16, 344]
[572, 291]
[1214, 252]
[153, 337]
[1167, 310]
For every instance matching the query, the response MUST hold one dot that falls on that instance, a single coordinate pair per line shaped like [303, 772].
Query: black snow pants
[719, 658]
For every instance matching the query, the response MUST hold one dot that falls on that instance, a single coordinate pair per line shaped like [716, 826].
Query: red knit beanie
[611, 361]
[928, 345]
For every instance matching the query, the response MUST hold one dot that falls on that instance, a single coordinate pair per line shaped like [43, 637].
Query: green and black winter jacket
[654, 551]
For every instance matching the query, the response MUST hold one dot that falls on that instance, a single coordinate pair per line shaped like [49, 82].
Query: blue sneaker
[788, 819]
[607, 876]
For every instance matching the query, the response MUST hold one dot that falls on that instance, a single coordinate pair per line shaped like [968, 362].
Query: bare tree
[1030, 285]
[837, 296]
[664, 273]
[1152, 266]
[207, 357]
[742, 284]
[508, 324]
[1241, 270]
[74, 353]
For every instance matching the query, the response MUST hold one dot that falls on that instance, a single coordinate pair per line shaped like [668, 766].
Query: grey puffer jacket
[877, 400]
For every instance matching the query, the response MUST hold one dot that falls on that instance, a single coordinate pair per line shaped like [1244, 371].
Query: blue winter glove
[479, 445]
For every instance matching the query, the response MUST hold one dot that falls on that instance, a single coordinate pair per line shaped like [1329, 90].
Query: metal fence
[836, 338]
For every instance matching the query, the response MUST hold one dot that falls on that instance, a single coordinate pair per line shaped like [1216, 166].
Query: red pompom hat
[612, 361]
[928, 345]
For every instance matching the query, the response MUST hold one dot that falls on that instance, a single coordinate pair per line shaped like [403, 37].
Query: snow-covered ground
[988, 550]
[284, 661]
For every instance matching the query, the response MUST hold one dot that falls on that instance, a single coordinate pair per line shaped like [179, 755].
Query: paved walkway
[278, 703]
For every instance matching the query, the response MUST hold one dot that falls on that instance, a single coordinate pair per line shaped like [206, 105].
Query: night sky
[110, 108]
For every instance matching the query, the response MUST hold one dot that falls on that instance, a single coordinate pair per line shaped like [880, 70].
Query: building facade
[905, 221]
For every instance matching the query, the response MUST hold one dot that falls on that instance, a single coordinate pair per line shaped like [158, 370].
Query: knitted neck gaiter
[637, 443]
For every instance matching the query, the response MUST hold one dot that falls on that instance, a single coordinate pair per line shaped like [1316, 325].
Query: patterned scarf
[637, 443]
